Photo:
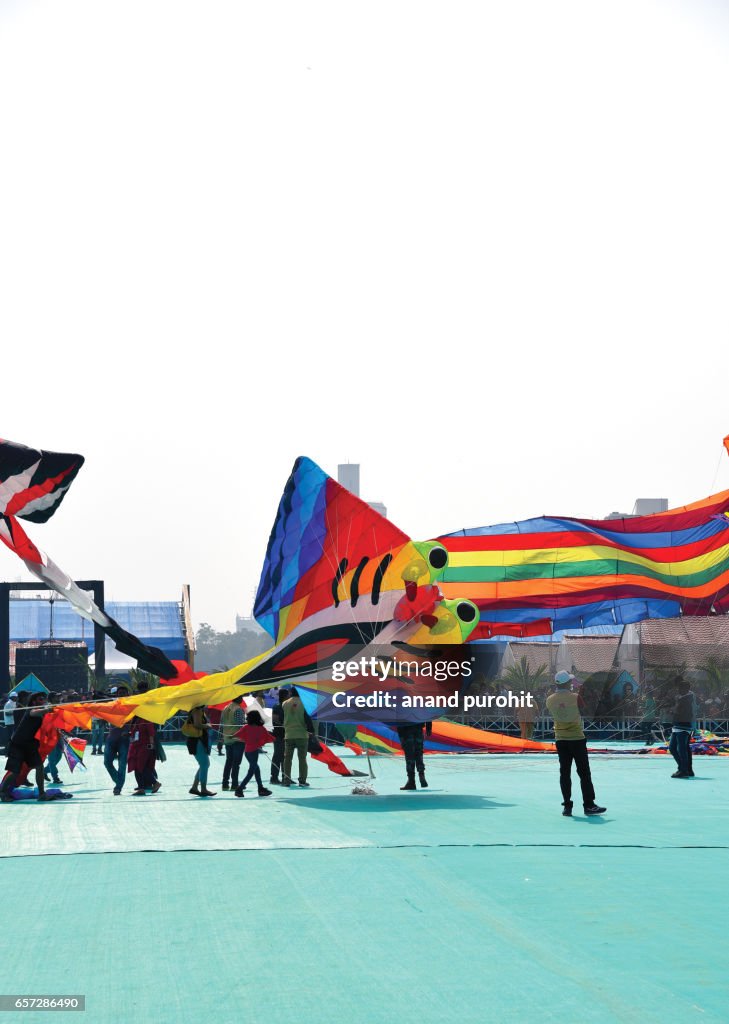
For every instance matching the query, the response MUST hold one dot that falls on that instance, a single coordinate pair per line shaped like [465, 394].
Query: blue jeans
[53, 759]
[97, 734]
[233, 758]
[118, 748]
[681, 751]
[253, 769]
[203, 759]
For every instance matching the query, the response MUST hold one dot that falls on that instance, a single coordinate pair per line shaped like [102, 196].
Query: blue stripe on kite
[596, 613]
[624, 538]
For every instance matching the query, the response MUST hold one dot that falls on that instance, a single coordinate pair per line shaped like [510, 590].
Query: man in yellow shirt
[569, 737]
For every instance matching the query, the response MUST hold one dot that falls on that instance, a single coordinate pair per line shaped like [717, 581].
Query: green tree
[717, 675]
[523, 677]
[219, 651]
[138, 675]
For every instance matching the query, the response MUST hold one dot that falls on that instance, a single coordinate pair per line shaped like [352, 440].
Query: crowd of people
[135, 746]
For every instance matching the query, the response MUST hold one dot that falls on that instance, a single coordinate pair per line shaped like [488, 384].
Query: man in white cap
[9, 709]
[569, 738]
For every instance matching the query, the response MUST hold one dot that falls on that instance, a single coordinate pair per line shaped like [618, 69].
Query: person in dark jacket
[411, 739]
[277, 719]
[682, 717]
[24, 748]
[117, 746]
[142, 756]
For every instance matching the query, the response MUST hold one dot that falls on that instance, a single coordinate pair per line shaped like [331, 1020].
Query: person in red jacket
[255, 736]
[142, 756]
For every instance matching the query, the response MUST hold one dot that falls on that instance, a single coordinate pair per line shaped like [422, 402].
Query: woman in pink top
[255, 736]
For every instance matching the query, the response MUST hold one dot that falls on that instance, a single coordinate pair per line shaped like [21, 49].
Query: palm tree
[717, 675]
[138, 675]
[522, 676]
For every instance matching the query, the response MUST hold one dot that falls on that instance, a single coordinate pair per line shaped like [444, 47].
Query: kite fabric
[339, 575]
[321, 752]
[33, 484]
[449, 738]
[575, 573]
[73, 750]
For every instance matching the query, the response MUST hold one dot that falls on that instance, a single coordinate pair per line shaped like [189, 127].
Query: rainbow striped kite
[73, 749]
[547, 574]
[448, 738]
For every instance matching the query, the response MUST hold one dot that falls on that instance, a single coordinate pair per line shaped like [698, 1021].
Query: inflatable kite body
[547, 574]
[449, 738]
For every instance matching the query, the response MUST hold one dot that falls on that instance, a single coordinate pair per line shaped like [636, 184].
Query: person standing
[24, 749]
[277, 719]
[527, 716]
[569, 736]
[231, 721]
[9, 708]
[50, 771]
[97, 735]
[197, 732]
[117, 747]
[648, 719]
[142, 756]
[682, 718]
[297, 726]
[411, 739]
[255, 735]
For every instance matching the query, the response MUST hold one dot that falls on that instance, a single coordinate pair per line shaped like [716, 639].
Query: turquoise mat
[472, 901]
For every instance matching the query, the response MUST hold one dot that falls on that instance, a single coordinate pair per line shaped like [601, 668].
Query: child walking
[255, 736]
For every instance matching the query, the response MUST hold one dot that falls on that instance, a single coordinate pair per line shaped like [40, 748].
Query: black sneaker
[225, 786]
[680, 775]
[595, 810]
[567, 810]
[304, 784]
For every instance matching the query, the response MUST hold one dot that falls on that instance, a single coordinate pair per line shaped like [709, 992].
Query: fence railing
[625, 729]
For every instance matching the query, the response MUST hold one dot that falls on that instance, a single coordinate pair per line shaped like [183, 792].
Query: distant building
[648, 506]
[41, 628]
[642, 507]
[246, 623]
[348, 476]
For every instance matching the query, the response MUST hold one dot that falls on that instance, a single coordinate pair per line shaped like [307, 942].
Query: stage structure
[94, 587]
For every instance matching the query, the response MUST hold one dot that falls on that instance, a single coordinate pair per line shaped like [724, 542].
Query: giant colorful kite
[547, 574]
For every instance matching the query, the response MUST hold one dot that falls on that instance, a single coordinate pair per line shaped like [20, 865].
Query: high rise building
[348, 476]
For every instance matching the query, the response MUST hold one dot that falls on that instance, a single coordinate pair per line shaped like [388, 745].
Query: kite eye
[466, 611]
[438, 557]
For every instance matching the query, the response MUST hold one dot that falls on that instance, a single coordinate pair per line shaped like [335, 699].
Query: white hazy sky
[480, 247]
